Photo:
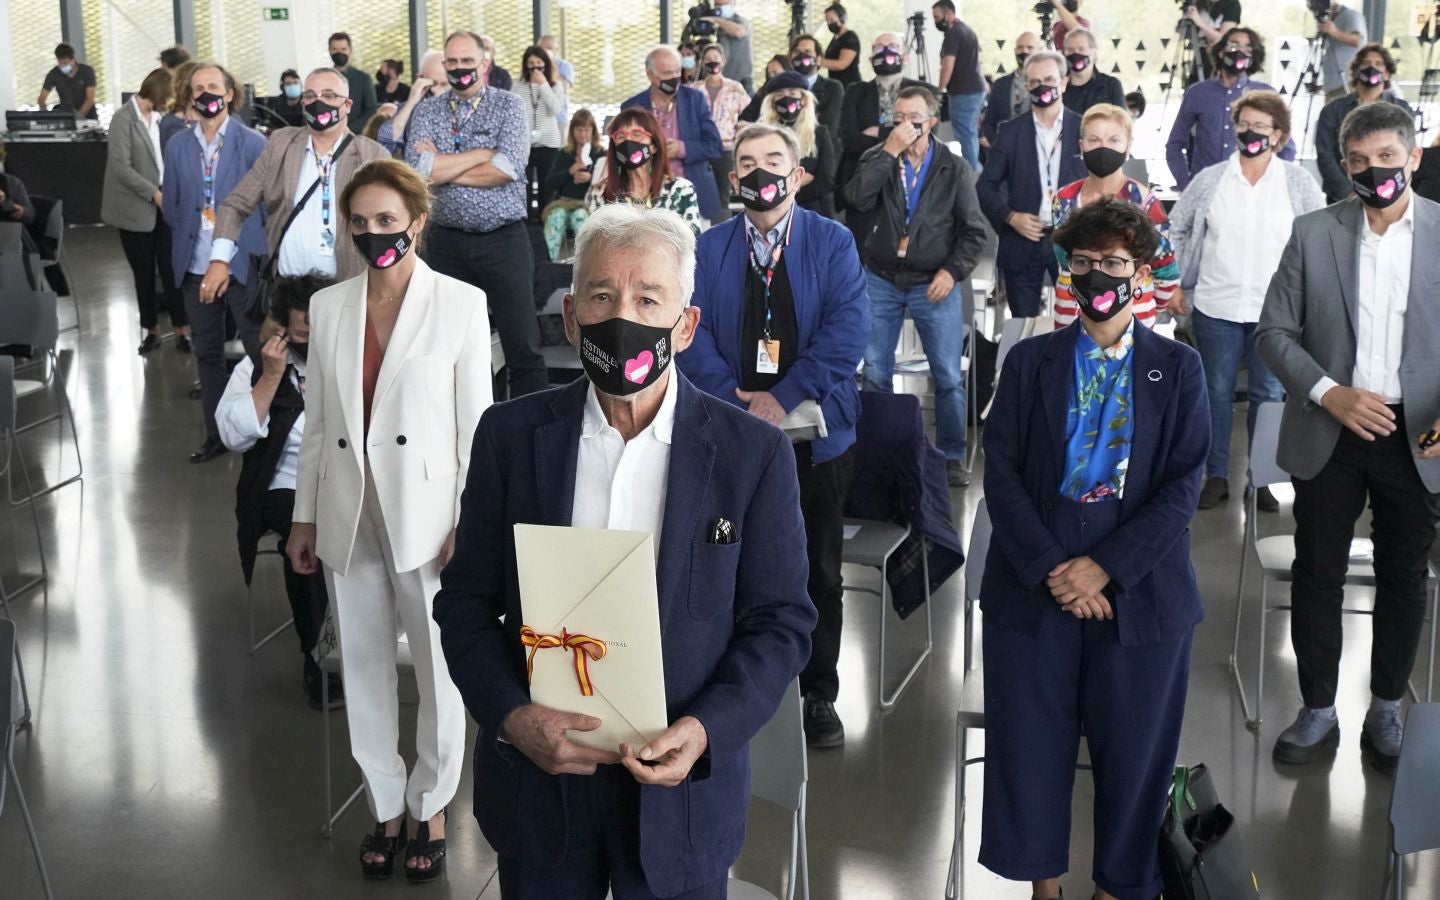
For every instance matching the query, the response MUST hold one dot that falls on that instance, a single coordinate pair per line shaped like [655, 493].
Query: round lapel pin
[1154, 375]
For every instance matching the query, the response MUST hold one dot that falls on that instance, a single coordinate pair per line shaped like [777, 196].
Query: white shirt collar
[1406, 222]
[1272, 171]
[773, 236]
[662, 427]
[1053, 129]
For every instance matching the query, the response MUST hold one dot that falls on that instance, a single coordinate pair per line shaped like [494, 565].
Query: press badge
[767, 357]
[903, 246]
[207, 219]
[327, 242]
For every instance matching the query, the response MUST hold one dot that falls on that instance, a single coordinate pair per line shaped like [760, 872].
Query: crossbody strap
[304, 199]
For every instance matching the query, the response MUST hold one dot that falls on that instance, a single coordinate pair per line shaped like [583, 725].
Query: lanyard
[766, 273]
[914, 181]
[1047, 163]
[457, 123]
[324, 168]
[207, 165]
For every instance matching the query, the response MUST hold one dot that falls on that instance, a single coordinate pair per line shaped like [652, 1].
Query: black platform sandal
[388, 847]
[421, 847]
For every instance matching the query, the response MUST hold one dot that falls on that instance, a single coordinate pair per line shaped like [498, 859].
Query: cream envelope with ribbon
[591, 629]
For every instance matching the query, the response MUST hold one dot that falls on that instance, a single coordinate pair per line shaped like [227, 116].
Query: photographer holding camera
[1343, 30]
[732, 31]
[1070, 19]
[1212, 18]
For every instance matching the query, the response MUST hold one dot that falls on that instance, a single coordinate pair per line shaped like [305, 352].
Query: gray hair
[650, 57]
[923, 92]
[760, 130]
[327, 70]
[1081, 32]
[1041, 56]
[629, 225]
[1371, 118]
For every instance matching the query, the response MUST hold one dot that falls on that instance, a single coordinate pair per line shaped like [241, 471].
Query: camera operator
[1070, 19]
[1343, 30]
[1212, 18]
[732, 31]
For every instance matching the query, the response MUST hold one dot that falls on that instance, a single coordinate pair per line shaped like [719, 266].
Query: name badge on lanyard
[208, 162]
[767, 350]
[1047, 168]
[327, 231]
[912, 180]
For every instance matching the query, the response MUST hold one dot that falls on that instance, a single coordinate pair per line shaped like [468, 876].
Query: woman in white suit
[397, 377]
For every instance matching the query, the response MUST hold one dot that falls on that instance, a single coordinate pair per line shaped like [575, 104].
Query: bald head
[660, 58]
[887, 39]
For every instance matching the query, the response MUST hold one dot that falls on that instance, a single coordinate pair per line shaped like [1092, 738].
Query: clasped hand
[1076, 585]
[539, 732]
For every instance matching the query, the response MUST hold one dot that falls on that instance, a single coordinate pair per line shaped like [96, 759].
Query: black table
[73, 171]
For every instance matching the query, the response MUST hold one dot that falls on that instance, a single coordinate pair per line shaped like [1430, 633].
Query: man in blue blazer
[201, 170]
[690, 133]
[634, 448]
[783, 278]
[1017, 185]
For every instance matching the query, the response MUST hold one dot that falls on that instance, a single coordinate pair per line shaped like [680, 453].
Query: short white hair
[1061, 65]
[629, 225]
[328, 70]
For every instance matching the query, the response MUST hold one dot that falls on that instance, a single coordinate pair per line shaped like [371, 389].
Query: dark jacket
[1010, 182]
[858, 111]
[1427, 175]
[701, 139]
[1327, 143]
[1101, 88]
[819, 195]
[736, 620]
[829, 97]
[362, 98]
[260, 463]
[947, 231]
[998, 108]
[560, 185]
[185, 197]
[1152, 584]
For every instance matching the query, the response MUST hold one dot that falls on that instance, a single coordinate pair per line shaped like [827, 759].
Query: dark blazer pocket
[716, 806]
[712, 579]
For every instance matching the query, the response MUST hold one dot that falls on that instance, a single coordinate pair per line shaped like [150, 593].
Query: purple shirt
[1204, 133]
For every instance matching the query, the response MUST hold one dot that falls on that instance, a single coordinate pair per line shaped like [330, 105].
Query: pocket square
[722, 531]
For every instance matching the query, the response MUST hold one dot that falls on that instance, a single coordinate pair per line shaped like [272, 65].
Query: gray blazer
[1307, 330]
[132, 174]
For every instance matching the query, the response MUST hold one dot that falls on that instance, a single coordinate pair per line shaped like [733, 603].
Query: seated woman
[570, 177]
[262, 414]
[1105, 135]
[635, 169]
[1094, 453]
[789, 104]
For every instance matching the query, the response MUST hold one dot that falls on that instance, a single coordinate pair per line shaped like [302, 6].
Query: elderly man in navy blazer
[690, 133]
[1031, 158]
[640, 450]
[200, 172]
[785, 279]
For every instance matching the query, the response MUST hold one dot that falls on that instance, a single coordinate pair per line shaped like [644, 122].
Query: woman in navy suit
[1094, 458]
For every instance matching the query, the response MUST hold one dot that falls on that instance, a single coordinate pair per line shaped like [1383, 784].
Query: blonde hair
[1112, 112]
[804, 127]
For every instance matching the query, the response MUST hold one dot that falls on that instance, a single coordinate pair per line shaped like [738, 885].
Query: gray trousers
[207, 337]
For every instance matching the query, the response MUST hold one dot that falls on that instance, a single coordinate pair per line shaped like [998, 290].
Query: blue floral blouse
[1101, 424]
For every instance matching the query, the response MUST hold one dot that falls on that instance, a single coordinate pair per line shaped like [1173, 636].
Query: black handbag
[265, 269]
[1201, 854]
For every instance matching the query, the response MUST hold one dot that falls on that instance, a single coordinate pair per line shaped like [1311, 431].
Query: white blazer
[432, 388]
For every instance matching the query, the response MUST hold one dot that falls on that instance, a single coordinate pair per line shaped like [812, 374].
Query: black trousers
[207, 335]
[146, 251]
[722, 168]
[537, 169]
[306, 592]
[822, 503]
[1403, 520]
[502, 265]
[1025, 285]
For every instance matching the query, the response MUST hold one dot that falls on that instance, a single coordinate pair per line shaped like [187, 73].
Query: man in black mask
[784, 321]
[1008, 97]
[362, 87]
[866, 114]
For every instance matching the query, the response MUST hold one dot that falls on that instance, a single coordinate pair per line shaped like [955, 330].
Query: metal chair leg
[888, 702]
[1239, 611]
[804, 844]
[1254, 724]
[63, 411]
[279, 629]
[327, 830]
[25, 815]
[970, 609]
[13, 456]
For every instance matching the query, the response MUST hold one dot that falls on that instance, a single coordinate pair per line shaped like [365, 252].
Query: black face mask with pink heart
[632, 154]
[209, 105]
[1101, 297]
[1379, 186]
[1251, 144]
[320, 115]
[886, 62]
[787, 109]
[622, 357]
[762, 190]
[382, 251]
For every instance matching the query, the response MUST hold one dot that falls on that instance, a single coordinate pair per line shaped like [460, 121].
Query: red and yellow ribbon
[583, 646]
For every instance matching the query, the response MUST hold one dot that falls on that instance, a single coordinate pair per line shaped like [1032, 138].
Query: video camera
[700, 11]
[1044, 10]
[1320, 9]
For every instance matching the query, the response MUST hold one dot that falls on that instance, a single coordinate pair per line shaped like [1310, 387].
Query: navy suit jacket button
[342, 444]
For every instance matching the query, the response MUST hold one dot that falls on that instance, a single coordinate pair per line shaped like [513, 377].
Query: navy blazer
[1010, 182]
[735, 619]
[185, 194]
[832, 310]
[1153, 587]
[701, 139]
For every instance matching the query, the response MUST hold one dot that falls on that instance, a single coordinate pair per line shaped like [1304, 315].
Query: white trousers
[367, 600]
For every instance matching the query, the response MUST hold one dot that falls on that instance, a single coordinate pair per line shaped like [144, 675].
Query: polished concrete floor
[164, 761]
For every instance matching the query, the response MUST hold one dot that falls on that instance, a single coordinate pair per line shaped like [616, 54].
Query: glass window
[123, 42]
[378, 29]
[228, 32]
[34, 30]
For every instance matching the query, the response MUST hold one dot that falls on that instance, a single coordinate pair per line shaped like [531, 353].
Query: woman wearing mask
[790, 105]
[536, 88]
[777, 64]
[842, 54]
[1093, 455]
[727, 98]
[398, 380]
[635, 170]
[1230, 229]
[570, 178]
[689, 63]
[388, 86]
[1105, 145]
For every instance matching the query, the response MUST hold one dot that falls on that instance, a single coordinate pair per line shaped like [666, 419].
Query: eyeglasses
[913, 118]
[1259, 128]
[1115, 266]
[631, 134]
[327, 96]
[1049, 81]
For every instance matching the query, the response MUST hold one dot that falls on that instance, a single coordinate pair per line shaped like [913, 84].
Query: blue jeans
[1222, 344]
[941, 327]
[965, 122]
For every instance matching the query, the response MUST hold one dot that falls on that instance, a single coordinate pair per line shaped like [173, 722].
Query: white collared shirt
[240, 429]
[764, 244]
[1048, 153]
[1246, 229]
[622, 485]
[301, 251]
[152, 125]
[1383, 294]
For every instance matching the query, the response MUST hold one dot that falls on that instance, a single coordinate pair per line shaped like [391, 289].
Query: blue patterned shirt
[493, 119]
[1101, 424]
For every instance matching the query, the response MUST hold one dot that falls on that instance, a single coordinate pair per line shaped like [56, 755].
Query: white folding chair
[31, 318]
[9, 649]
[1414, 815]
[280, 629]
[975, 555]
[871, 543]
[779, 772]
[1276, 554]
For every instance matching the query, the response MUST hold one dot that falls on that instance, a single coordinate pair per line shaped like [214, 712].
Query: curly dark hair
[1257, 47]
[292, 294]
[1358, 62]
[1104, 224]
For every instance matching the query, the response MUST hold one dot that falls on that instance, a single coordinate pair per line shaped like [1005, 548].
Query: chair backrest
[20, 271]
[10, 239]
[55, 223]
[8, 397]
[778, 764]
[1137, 169]
[1010, 334]
[979, 548]
[1413, 812]
[1264, 468]
[29, 317]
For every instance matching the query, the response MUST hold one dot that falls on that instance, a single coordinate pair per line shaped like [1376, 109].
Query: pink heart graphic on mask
[323, 118]
[637, 157]
[637, 369]
[213, 106]
[1253, 146]
[1241, 62]
[1386, 190]
[768, 192]
[1103, 302]
[387, 258]
[1045, 97]
[466, 79]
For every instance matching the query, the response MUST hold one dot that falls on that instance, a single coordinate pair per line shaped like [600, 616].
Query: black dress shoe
[209, 450]
[1265, 501]
[182, 343]
[823, 728]
[151, 342]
